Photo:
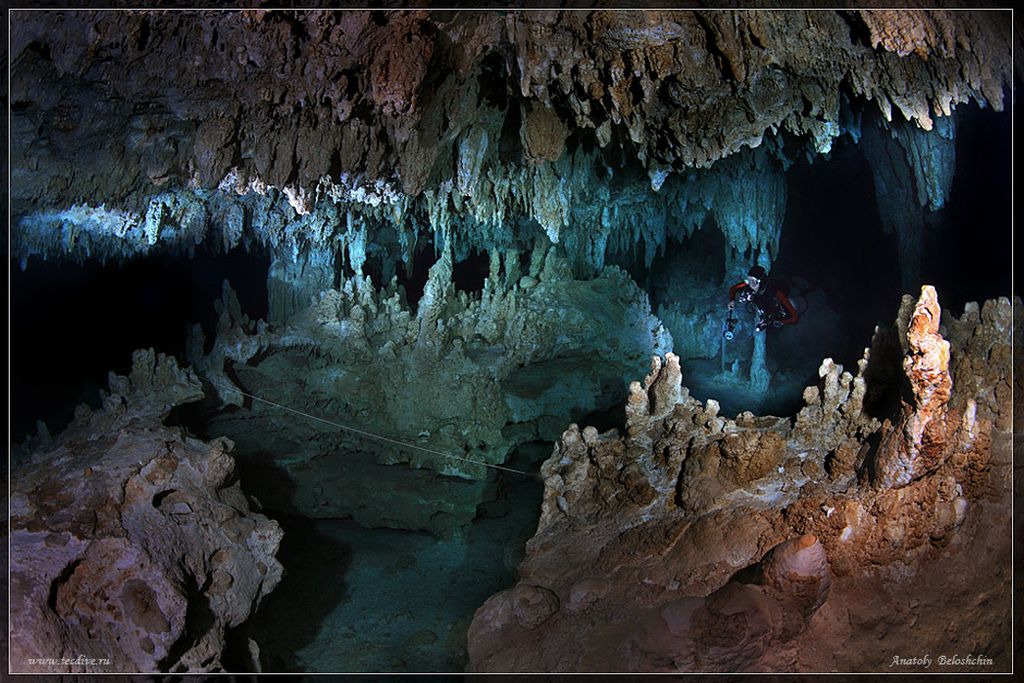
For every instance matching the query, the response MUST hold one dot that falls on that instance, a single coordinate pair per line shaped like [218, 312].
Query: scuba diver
[773, 306]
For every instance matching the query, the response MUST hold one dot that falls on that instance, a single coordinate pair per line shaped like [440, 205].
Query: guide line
[362, 432]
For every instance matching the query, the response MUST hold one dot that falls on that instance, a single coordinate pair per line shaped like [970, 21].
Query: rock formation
[461, 213]
[133, 548]
[917, 445]
[913, 174]
[349, 142]
[452, 387]
[670, 526]
[701, 633]
[303, 130]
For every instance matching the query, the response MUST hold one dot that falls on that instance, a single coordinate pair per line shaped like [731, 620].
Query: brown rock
[133, 548]
[533, 605]
[543, 134]
[685, 581]
[918, 445]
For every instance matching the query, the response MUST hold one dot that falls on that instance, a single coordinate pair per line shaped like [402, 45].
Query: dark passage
[840, 267]
[469, 274]
[967, 250]
[75, 323]
[832, 241]
[412, 277]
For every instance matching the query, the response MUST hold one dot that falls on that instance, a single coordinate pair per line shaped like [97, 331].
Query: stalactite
[593, 211]
[913, 174]
[736, 266]
[295, 278]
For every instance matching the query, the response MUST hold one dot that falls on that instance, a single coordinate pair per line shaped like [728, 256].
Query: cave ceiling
[335, 130]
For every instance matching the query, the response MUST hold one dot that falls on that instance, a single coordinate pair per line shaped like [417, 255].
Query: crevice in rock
[413, 276]
[469, 274]
[61, 579]
[859, 32]
[199, 618]
[493, 79]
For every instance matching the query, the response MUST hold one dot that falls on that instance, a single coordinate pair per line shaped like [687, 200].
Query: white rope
[361, 432]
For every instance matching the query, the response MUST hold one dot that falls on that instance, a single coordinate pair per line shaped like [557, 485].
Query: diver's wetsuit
[772, 303]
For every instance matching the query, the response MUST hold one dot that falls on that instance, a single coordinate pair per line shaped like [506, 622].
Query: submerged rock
[732, 628]
[133, 547]
[918, 443]
[543, 166]
[678, 529]
[393, 417]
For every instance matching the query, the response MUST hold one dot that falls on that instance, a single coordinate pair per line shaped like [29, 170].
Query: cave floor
[381, 600]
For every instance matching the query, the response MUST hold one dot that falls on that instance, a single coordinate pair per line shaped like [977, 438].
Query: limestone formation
[349, 145]
[301, 130]
[452, 387]
[462, 213]
[913, 174]
[133, 548]
[918, 444]
[731, 629]
[669, 526]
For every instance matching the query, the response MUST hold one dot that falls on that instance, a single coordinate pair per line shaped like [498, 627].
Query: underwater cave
[398, 341]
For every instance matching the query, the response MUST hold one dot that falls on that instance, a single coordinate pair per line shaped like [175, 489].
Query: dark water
[71, 324]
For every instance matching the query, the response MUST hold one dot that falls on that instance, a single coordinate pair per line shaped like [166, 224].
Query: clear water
[383, 600]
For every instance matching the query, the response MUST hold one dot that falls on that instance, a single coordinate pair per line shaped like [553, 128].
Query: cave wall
[551, 144]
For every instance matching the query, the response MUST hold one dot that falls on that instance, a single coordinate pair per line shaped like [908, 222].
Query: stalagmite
[672, 565]
[918, 443]
[760, 378]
